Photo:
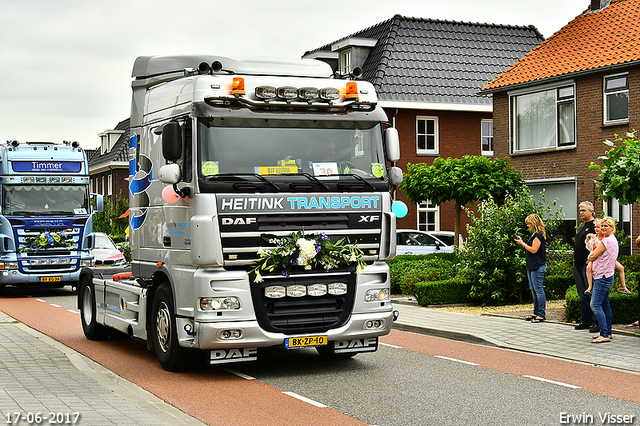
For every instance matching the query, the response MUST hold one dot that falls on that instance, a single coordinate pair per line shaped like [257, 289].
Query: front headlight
[8, 265]
[86, 263]
[377, 295]
[219, 303]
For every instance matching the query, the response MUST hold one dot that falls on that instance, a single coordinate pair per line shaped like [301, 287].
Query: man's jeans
[580, 276]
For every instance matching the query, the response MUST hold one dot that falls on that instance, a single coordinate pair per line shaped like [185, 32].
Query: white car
[105, 252]
[447, 237]
[412, 241]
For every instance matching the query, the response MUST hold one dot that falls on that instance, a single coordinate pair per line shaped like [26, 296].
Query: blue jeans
[600, 304]
[536, 284]
[580, 276]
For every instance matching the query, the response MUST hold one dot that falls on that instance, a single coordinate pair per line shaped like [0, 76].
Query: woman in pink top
[604, 258]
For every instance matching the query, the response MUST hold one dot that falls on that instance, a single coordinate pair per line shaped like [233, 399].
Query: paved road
[412, 380]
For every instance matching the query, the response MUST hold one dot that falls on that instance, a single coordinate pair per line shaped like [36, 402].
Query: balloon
[400, 209]
[169, 195]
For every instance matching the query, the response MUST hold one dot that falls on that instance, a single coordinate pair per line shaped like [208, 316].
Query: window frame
[483, 136]
[559, 101]
[346, 58]
[606, 94]
[427, 207]
[436, 135]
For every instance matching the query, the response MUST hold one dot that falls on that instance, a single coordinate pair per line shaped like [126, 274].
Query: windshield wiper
[311, 178]
[256, 175]
[360, 178]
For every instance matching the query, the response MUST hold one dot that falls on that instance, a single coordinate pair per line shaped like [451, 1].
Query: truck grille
[307, 314]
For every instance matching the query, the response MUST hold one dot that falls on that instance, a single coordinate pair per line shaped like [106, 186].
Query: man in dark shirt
[580, 254]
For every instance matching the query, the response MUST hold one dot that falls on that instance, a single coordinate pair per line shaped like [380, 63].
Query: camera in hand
[515, 237]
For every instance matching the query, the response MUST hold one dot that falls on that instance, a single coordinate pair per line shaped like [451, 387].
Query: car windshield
[317, 148]
[44, 200]
[104, 242]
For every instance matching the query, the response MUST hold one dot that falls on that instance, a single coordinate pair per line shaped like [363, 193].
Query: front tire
[88, 312]
[164, 334]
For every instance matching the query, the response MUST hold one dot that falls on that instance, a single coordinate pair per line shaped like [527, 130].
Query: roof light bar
[329, 93]
[265, 92]
[287, 92]
[308, 93]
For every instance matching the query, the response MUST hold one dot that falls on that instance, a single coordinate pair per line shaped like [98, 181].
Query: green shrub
[630, 263]
[623, 306]
[495, 263]
[555, 286]
[405, 265]
[449, 291]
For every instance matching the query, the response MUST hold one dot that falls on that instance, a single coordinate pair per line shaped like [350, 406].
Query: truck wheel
[92, 330]
[164, 335]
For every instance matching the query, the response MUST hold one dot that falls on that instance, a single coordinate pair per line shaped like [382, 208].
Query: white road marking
[391, 346]
[553, 382]
[302, 398]
[55, 306]
[456, 360]
[239, 374]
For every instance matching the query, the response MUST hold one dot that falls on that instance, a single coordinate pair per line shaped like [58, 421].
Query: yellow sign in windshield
[276, 170]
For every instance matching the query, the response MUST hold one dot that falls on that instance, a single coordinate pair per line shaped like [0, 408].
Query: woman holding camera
[536, 248]
[604, 258]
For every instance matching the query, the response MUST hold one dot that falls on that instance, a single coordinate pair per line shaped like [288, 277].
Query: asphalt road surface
[411, 380]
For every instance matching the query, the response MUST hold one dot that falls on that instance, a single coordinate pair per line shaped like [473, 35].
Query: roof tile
[593, 40]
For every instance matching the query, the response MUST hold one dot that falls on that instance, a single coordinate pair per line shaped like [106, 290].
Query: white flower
[353, 257]
[258, 277]
[307, 251]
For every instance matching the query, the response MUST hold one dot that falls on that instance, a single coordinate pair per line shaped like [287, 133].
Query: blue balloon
[400, 209]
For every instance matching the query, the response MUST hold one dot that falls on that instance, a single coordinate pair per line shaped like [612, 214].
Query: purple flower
[49, 238]
[286, 273]
[324, 237]
[318, 247]
[293, 262]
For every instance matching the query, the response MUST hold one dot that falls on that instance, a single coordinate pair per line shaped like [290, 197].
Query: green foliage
[465, 180]
[620, 173]
[453, 290]
[555, 286]
[107, 220]
[630, 263]
[495, 263]
[434, 269]
[404, 265]
[623, 306]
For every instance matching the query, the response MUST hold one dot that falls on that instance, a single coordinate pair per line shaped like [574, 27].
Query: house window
[621, 213]
[427, 135]
[616, 98]
[109, 185]
[428, 216]
[102, 188]
[544, 119]
[345, 62]
[487, 137]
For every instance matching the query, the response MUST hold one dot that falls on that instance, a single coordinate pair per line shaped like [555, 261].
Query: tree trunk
[456, 229]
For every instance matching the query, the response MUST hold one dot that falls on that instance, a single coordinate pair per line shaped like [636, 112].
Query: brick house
[109, 164]
[428, 75]
[555, 106]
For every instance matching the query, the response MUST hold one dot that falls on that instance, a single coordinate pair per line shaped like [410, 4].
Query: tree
[620, 173]
[464, 180]
[494, 264]
[108, 220]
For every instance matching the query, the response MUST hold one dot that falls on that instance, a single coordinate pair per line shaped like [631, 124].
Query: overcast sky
[65, 65]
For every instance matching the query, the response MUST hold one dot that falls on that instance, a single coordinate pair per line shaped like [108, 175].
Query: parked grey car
[412, 241]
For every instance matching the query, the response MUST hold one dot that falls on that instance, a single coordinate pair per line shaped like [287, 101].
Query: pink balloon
[169, 195]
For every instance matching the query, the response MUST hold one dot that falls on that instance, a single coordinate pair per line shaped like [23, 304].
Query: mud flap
[225, 356]
[369, 344]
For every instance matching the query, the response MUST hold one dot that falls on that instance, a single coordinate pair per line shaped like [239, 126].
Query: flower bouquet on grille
[307, 251]
[47, 240]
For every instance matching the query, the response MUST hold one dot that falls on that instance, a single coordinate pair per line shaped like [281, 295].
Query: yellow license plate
[49, 279]
[305, 342]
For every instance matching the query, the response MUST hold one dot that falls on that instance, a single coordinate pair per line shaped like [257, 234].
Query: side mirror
[395, 175]
[170, 173]
[172, 141]
[392, 140]
[99, 202]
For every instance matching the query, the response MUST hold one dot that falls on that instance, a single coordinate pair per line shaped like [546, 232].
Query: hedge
[623, 306]
[443, 292]
[555, 286]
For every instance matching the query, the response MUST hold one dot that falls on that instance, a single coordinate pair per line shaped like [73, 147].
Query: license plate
[49, 279]
[305, 342]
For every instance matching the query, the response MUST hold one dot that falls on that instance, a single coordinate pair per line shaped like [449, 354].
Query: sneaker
[582, 326]
[587, 292]
[594, 329]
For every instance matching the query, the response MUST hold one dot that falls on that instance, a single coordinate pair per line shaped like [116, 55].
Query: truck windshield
[318, 148]
[35, 200]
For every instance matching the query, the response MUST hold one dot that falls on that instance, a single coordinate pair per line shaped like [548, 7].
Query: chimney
[595, 4]
[599, 4]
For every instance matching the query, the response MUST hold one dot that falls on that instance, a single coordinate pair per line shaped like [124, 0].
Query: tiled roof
[593, 40]
[118, 153]
[432, 61]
